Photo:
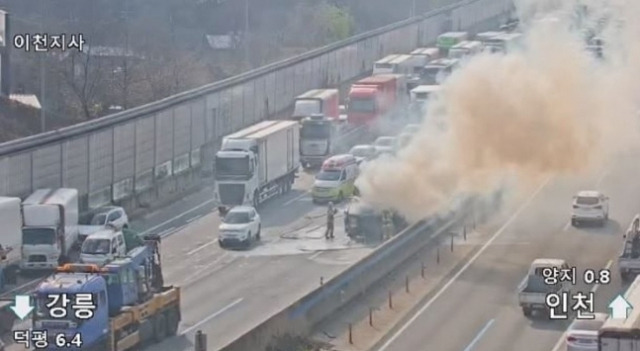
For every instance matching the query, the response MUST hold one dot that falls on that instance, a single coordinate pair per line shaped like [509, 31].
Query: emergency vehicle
[336, 179]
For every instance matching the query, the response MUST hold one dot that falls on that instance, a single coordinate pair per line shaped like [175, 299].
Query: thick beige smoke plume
[549, 108]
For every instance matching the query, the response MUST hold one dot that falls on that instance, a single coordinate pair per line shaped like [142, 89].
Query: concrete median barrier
[301, 316]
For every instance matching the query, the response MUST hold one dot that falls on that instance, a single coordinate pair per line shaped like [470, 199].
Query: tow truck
[131, 306]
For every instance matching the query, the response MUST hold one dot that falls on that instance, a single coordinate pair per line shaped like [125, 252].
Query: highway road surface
[477, 309]
[227, 292]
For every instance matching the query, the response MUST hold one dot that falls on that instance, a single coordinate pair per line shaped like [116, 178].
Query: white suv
[114, 215]
[590, 206]
[240, 226]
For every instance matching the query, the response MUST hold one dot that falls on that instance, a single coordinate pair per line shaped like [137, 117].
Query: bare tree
[83, 75]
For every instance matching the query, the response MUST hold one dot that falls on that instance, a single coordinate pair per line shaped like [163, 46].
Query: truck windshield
[332, 175]
[421, 96]
[432, 75]
[362, 105]
[232, 166]
[457, 53]
[38, 236]
[99, 219]
[315, 131]
[304, 108]
[44, 304]
[96, 246]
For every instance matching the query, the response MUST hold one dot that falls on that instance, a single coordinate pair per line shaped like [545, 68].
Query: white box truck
[257, 163]
[50, 227]
[398, 64]
[317, 101]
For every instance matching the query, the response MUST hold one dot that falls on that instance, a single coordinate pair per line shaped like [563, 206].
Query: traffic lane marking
[595, 287]
[212, 316]
[501, 230]
[203, 246]
[178, 216]
[479, 335]
[209, 269]
[191, 219]
[298, 197]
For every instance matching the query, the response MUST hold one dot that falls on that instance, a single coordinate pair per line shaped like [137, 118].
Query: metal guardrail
[128, 154]
[302, 315]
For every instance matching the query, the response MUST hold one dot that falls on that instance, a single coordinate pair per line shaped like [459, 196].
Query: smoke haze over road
[548, 108]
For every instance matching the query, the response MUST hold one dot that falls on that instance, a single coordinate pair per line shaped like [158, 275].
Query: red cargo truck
[373, 97]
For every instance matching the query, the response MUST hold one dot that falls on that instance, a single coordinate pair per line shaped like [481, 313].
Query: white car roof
[589, 193]
[242, 209]
[103, 234]
[589, 324]
[363, 146]
[548, 262]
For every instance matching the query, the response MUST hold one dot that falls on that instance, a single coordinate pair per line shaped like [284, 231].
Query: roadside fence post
[451, 242]
[371, 316]
[200, 341]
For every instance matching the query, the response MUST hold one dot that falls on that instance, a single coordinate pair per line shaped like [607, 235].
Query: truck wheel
[62, 260]
[160, 328]
[526, 311]
[173, 321]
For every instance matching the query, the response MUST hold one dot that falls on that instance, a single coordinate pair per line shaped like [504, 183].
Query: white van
[397, 64]
[103, 246]
[466, 49]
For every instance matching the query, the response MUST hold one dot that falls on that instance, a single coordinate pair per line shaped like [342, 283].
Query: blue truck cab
[63, 285]
[129, 301]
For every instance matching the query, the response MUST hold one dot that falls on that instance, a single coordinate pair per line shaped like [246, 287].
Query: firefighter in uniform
[387, 225]
[331, 212]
